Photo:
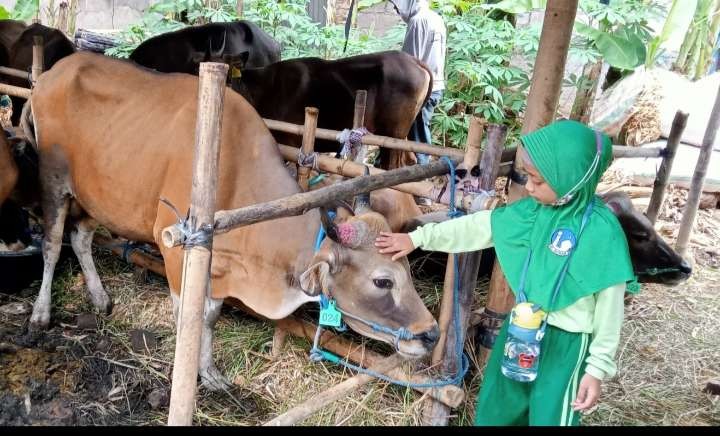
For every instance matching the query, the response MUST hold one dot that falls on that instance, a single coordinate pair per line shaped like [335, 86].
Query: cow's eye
[640, 234]
[383, 283]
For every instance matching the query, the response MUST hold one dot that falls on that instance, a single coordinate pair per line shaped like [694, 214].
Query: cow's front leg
[81, 239]
[211, 376]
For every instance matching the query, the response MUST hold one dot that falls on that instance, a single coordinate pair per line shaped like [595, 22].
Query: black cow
[17, 39]
[240, 44]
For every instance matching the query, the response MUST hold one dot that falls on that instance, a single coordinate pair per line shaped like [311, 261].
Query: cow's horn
[329, 225]
[362, 201]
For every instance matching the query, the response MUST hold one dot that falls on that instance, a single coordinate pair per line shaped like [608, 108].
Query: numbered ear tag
[330, 316]
[236, 73]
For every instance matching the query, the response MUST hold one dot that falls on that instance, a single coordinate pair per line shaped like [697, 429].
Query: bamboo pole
[37, 59]
[359, 155]
[348, 168]
[698, 180]
[196, 264]
[20, 74]
[308, 145]
[417, 147]
[542, 103]
[15, 91]
[300, 203]
[381, 141]
[663, 175]
[300, 412]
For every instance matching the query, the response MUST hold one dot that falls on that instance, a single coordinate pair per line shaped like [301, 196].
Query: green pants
[545, 401]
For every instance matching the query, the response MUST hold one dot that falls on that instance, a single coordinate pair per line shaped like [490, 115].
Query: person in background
[425, 39]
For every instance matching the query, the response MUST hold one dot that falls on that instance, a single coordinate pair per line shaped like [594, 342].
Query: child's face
[536, 186]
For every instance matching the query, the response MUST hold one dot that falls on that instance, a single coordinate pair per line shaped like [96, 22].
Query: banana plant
[23, 10]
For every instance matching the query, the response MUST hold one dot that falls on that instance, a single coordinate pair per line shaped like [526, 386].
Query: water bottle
[522, 344]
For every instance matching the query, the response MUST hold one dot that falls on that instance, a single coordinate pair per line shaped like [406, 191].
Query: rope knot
[309, 160]
[351, 139]
[198, 238]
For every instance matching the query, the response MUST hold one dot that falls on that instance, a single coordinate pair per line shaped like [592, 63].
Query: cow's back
[125, 136]
[396, 84]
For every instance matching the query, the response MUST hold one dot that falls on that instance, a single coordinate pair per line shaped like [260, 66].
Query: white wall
[99, 14]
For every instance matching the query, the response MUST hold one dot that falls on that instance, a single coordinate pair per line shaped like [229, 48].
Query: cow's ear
[319, 275]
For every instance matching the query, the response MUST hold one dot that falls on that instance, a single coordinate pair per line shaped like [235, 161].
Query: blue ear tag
[330, 316]
[562, 242]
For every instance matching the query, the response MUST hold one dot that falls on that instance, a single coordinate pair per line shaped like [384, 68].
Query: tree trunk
[585, 97]
[239, 8]
[542, 103]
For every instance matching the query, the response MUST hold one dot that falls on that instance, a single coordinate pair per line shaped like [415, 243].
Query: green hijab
[564, 153]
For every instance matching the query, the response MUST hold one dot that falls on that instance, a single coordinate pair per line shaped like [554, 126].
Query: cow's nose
[430, 337]
[685, 267]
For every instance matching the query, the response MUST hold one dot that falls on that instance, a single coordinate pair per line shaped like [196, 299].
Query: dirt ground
[116, 369]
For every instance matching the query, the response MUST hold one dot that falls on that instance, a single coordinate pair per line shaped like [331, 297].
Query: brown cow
[397, 86]
[114, 138]
[8, 169]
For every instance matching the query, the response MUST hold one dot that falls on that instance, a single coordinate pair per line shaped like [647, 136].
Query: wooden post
[62, 20]
[360, 154]
[37, 59]
[698, 180]
[239, 8]
[308, 145]
[435, 413]
[196, 264]
[663, 175]
[542, 103]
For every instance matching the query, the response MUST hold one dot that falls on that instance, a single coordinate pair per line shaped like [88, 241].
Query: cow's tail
[27, 124]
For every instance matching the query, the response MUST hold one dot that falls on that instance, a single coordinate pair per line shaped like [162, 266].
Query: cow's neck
[248, 85]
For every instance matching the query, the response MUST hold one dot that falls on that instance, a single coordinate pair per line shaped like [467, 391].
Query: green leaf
[4, 14]
[587, 31]
[677, 22]
[621, 50]
[25, 9]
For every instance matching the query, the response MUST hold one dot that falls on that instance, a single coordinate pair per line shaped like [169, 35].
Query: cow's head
[654, 261]
[367, 285]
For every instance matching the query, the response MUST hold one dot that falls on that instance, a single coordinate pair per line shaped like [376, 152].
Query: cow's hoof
[102, 303]
[39, 321]
[214, 380]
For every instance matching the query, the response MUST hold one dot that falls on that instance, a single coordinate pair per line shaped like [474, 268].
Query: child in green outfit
[582, 294]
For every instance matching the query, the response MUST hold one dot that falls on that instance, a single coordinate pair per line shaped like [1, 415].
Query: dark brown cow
[397, 86]
[239, 43]
[113, 139]
[18, 42]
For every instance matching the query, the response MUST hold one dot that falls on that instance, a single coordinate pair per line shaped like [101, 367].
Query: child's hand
[588, 393]
[398, 243]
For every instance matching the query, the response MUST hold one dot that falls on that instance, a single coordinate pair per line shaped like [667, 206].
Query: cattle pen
[495, 161]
